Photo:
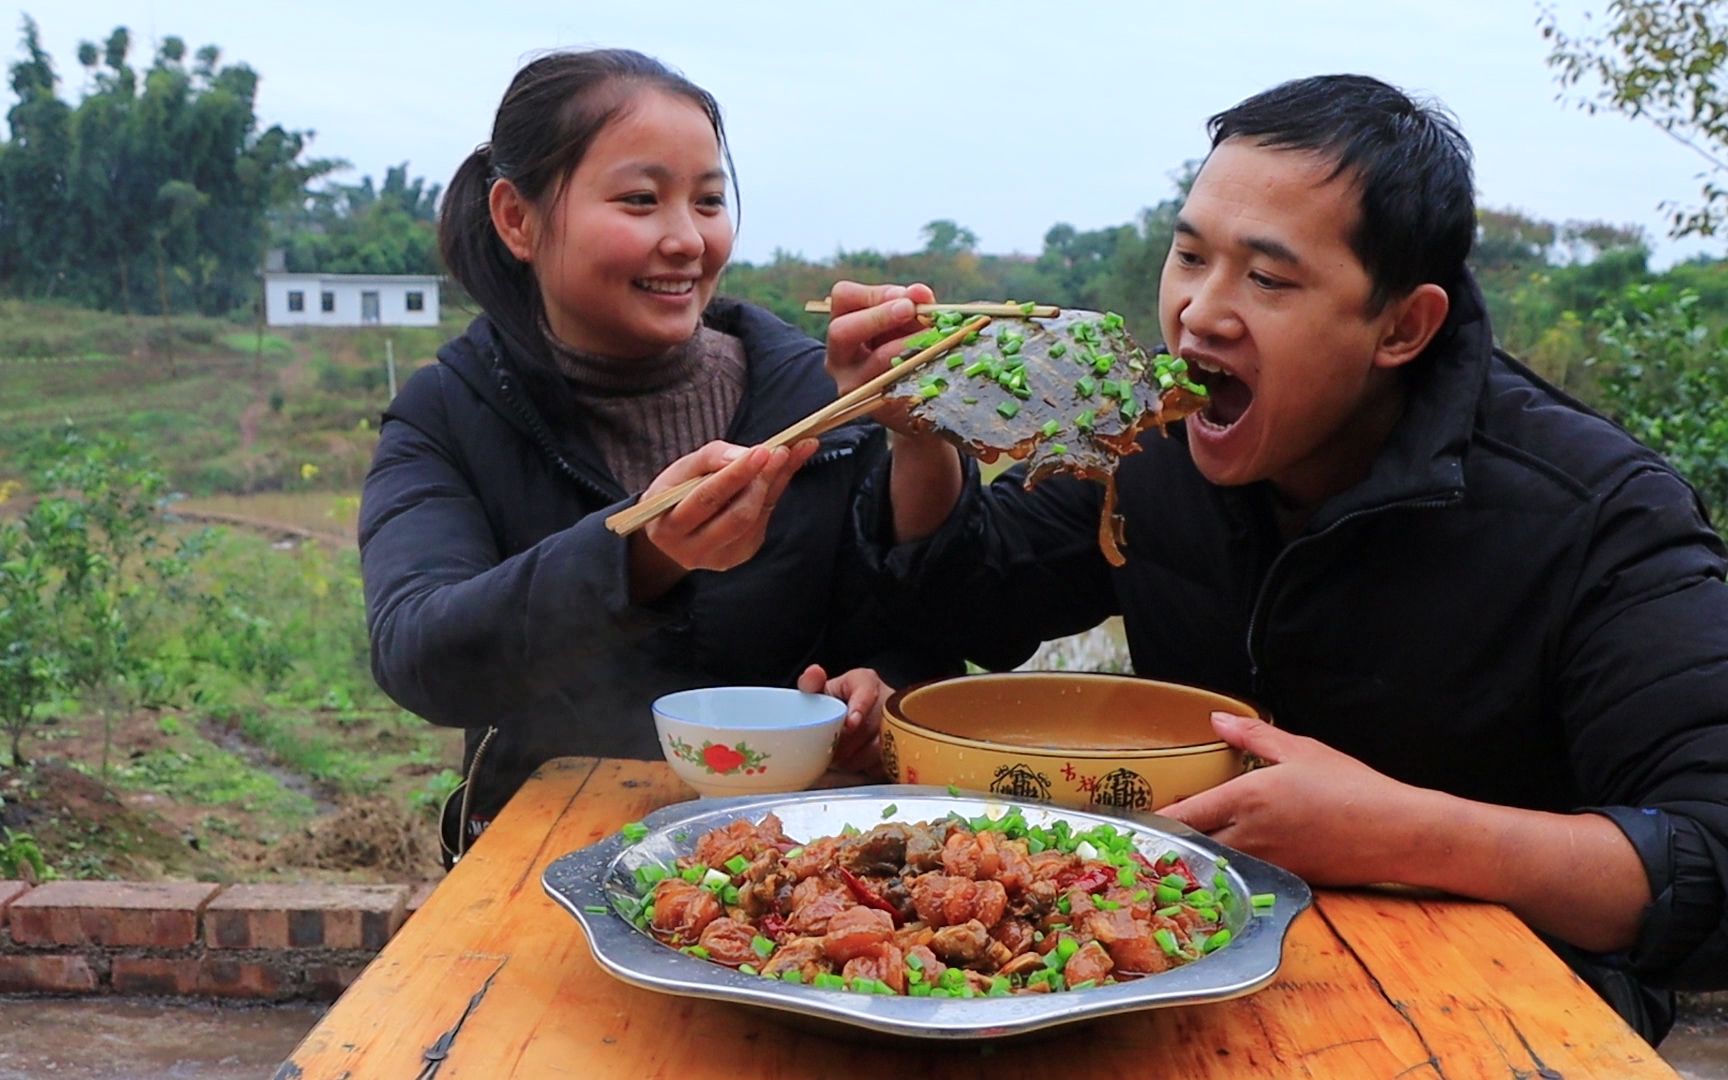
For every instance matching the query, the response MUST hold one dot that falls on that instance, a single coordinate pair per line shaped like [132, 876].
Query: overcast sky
[854, 125]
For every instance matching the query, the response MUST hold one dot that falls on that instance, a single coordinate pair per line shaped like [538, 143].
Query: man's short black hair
[1408, 160]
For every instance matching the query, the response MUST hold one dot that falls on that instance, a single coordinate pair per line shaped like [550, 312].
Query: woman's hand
[859, 749]
[722, 522]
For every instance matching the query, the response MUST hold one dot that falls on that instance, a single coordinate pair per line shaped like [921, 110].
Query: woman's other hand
[859, 749]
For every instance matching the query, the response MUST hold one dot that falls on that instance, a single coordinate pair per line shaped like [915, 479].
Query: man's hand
[864, 693]
[867, 328]
[1315, 811]
[1335, 821]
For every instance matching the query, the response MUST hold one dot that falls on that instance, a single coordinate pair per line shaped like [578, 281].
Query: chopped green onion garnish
[1216, 941]
[1105, 905]
[890, 810]
[1166, 941]
[955, 360]
[634, 831]
[596, 909]
[1086, 386]
[1028, 308]
[1050, 428]
[915, 962]
[737, 864]
[747, 969]
[1125, 877]
[1067, 947]
[1170, 912]
[698, 952]
[1008, 409]
[1141, 896]
[762, 946]
[1168, 895]
[1058, 350]
[1058, 449]
[729, 896]
[796, 976]
[1263, 899]
[793, 853]
[953, 789]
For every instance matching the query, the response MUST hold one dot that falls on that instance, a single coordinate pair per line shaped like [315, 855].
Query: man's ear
[1415, 321]
[514, 218]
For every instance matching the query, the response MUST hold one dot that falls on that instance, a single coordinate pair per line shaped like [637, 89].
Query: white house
[350, 299]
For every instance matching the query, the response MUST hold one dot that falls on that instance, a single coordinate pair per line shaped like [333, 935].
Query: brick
[242, 979]
[161, 915]
[305, 916]
[45, 973]
[172, 976]
[421, 894]
[192, 976]
[325, 982]
[10, 891]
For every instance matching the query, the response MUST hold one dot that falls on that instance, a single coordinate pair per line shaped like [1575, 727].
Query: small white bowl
[747, 740]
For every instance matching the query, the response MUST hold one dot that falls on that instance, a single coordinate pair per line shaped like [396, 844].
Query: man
[1491, 627]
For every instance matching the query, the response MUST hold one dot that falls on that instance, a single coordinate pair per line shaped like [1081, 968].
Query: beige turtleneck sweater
[645, 414]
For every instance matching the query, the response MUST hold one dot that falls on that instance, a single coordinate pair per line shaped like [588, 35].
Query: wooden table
[499, 977]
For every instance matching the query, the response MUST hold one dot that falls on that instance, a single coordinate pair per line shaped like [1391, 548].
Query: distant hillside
[224, 409]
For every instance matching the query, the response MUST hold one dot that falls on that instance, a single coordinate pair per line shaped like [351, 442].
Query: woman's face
[630, 254]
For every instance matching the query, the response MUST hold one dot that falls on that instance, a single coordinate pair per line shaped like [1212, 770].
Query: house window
[296, 300]
[327, 301]
[416, 301]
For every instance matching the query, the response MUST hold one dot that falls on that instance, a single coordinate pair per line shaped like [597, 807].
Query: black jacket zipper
[543, 438]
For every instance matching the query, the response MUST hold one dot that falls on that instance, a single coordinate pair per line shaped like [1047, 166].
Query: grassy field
[309, 771]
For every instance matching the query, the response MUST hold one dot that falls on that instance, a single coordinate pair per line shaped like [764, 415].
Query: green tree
[1663, 373]
[33, 177]
[83, 577]
[152, 193]
[1661, 61]
[359, 229]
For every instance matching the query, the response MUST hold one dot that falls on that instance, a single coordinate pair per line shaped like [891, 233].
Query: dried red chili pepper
[868, 896]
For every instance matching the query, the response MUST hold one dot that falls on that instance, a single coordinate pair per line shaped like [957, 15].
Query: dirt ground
[87, 827]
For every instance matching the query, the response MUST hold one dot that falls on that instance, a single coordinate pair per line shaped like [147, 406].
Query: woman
[592, 230]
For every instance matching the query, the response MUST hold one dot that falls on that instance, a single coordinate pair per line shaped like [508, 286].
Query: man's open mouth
[1227, 397]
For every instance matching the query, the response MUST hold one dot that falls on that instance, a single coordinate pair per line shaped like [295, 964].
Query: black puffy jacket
[497, 599]
[1520, 604]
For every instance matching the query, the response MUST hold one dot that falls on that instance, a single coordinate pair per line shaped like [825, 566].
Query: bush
[1663, 374]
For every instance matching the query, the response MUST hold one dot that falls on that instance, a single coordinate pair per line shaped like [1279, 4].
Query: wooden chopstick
[847, 407]
[1005, 311]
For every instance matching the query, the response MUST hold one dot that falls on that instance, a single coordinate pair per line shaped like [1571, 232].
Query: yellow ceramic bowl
[1080, 739]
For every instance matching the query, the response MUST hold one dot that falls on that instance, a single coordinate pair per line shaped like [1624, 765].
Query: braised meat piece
[1066, 394]
[682, 910]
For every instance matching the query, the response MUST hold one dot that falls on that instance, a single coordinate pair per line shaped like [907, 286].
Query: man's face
[1263, 296]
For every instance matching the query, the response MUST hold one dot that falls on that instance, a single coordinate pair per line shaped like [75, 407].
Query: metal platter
[589, 881]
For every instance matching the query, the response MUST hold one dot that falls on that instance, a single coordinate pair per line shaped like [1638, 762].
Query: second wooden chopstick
[841, 409]
[1001, 311]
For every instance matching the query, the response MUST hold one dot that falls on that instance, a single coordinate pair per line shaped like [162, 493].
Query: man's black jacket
[1520, 604]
